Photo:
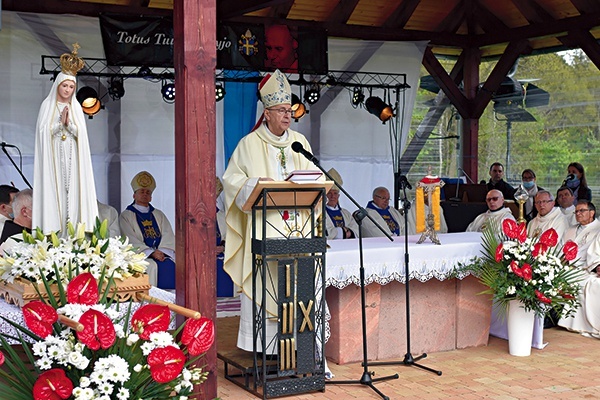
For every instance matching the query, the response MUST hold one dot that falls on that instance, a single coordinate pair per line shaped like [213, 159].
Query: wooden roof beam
[549, 28]
[488, 21]
[342, 12]
[400, 16]
[588, 44]
[532, 11]
[281, 10]
[233, 8]
[86, 9]
[492, 83]
[586, 6]
[453, 20]
[448, 83]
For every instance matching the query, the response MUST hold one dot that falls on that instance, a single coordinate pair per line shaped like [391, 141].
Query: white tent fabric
[137, 132]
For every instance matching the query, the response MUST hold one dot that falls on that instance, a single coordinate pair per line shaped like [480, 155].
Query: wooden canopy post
[471, 124]
[195, 142]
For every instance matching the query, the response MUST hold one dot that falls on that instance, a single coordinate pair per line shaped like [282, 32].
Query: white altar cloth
[15, 314]
[384, 260]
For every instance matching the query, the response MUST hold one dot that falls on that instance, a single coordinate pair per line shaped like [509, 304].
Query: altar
[446, 312]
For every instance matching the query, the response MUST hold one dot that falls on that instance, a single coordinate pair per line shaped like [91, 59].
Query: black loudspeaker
[460, 215]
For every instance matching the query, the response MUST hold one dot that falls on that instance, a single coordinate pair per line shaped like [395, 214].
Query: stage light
[219, 92]
[298, 108]
[89, 100]
[377, 107]
[116, 90]
[357, 97]
[145, 72]
[168, 92]
[312, 95]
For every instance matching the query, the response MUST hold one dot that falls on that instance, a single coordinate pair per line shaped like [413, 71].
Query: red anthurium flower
[198, 335]
[539, 249]
[39, 317]
[549, 238]
[52, 385]
[510, 228]
[499, 252]
[1, 358]
[522, 233]
[150, 318]
[166, 363]
[565, 295]
[570, 250]
[527, 272]
[98, 330]
[515, 269]
[83, 289]
[541, 297]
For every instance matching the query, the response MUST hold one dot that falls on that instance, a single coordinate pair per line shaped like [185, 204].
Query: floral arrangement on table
[535, 270]
[59, 259]
[85, 351]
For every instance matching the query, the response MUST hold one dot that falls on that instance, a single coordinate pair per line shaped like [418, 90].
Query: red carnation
[83, 289]
[98, 330]
[570, 250]
[541, 297]
[499, 252]
[527, 272]
[52, 385]
[39, 317]
[522, 233]
[166, 363]
[549, 238]
[149, 319]
[198, 335]
[515, 269]
[510, 228]
[539, 249]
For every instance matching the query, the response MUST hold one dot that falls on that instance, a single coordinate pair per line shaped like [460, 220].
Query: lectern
[288, 283]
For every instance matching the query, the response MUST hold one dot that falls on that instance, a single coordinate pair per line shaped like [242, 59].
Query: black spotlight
[145, 72]
[116, 90]
[89, 100]
[298, 108]
[168, 92]
[312, 95]
[219, 92]
[357, 97]
[377, 107]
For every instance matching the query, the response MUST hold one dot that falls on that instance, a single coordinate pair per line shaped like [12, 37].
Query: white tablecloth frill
[15, 314]
[384, 260]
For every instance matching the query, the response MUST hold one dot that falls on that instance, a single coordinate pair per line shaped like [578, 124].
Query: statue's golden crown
[70, 63]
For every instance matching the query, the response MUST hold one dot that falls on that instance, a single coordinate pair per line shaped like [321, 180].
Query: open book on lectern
[304, 175]
[295, 194]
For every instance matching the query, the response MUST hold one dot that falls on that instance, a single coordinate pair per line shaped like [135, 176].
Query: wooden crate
[21, 292]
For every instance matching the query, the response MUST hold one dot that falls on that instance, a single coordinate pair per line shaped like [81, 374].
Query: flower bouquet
[50, 259]
[534, 270]
[84, 350]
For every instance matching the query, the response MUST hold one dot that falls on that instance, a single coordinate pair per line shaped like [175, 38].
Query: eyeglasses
[540, 202]
[581, 211]
[282, 111]
[382, 198]
[492, 198]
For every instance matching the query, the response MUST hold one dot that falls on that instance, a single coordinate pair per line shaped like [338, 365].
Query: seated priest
[149, 230]
[13, 229]
[586, 319]
[548, 216]
[386, 217]
[496, 212]
[339, 222]
[566, 203]
[7, 194]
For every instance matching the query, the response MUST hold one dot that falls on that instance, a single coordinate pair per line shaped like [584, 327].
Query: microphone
[4, 144]
[465, 174]
[569, 177]
[298, 148]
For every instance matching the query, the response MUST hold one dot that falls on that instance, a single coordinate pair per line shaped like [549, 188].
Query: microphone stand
[360, 214]
[408, 357]
[3, 145]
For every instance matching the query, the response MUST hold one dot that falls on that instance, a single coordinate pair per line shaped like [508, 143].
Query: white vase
[520, 329]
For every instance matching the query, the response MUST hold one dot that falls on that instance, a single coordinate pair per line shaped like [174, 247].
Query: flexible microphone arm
[361, 212]
[466, 175]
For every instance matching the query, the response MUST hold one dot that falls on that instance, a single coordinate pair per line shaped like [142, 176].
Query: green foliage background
[566, 130]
